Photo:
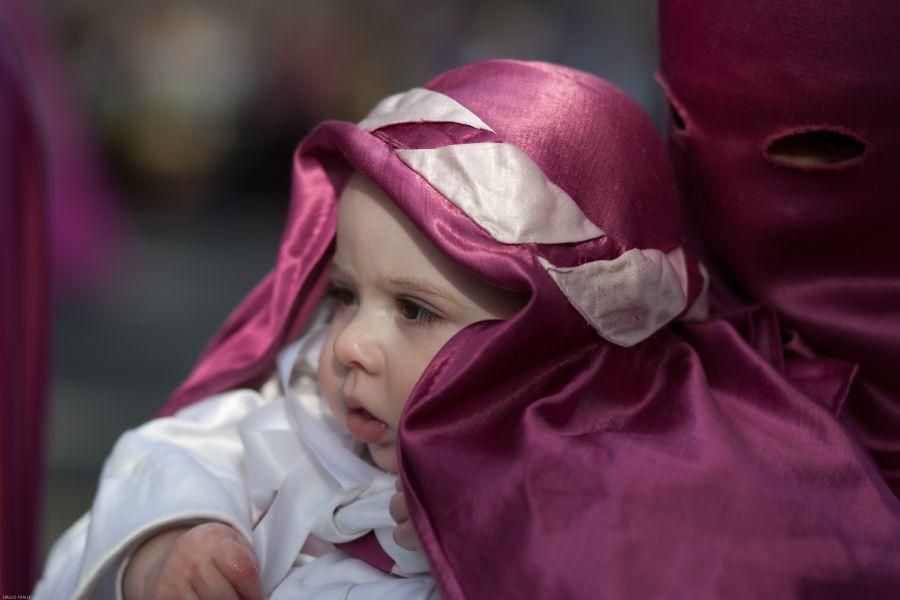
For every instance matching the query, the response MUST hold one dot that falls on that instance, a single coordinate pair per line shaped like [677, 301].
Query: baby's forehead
[374, 234]
[376, 242]
[367, 213]
[359, 184]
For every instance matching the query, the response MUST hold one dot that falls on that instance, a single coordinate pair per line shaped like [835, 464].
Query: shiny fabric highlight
[502, 190]
[419, 105]
[629, 298]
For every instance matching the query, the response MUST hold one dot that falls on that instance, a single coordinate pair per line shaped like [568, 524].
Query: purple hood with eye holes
[752, 81]
[600, 443]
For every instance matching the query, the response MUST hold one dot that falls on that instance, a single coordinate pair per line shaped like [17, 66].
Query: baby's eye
[416, 313]
[342, 294]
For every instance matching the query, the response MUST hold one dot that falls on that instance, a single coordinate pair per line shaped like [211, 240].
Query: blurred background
[170, 126]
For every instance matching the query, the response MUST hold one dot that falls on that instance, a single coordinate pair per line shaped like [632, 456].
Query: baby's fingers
[208, 583]
[406, 537]
[404, 532]
[397, 507]
[236, 563]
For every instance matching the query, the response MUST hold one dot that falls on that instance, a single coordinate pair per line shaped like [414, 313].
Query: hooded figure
[597, 443]
[785, 138]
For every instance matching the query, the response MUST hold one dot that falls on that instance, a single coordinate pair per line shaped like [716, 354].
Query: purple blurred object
[539, 459]
[785, 135]
[25, 322]
[87, 227]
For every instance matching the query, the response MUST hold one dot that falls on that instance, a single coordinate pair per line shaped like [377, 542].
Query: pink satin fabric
[540, 460]
[25, 319]
[819, 244]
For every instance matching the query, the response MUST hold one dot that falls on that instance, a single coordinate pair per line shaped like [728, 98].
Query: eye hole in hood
[819, 148]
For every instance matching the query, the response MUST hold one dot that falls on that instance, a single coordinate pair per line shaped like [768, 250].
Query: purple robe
[602, 441]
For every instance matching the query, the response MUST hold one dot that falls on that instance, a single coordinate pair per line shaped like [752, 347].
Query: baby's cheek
[399, 396]
[327, 379]
[385, 456]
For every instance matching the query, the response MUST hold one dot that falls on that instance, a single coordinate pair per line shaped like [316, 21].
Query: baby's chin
[384, 456]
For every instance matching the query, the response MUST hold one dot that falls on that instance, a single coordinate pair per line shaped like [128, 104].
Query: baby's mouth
[364, 426]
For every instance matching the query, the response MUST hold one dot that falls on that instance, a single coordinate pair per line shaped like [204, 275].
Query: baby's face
[399, 300]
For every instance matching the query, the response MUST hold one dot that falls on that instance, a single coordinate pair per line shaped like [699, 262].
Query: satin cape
[598, 443]
[753, 86]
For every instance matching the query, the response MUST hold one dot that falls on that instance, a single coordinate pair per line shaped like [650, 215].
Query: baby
[398, 300]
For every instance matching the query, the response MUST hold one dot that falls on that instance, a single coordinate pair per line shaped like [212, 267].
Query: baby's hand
[206, 561]
[404, 534]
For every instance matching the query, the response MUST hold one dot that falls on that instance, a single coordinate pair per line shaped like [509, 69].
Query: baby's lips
[364, 426]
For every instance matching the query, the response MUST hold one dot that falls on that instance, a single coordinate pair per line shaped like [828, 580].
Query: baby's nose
[355, 346]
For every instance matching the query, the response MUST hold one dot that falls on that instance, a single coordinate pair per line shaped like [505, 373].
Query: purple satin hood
[818, 244]
[539, 458]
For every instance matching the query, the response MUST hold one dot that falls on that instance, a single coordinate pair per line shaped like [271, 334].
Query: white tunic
[279, 469]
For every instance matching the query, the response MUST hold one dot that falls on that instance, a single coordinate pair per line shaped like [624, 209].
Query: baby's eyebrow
[337, 270]
[417, 284]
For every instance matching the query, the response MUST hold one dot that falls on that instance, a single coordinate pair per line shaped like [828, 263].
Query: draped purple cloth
[752, 81]
[25, 318]
[542, 461]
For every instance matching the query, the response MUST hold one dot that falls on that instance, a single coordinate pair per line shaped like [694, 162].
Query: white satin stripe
[420, 105]
[629, 298]
[500, 188]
